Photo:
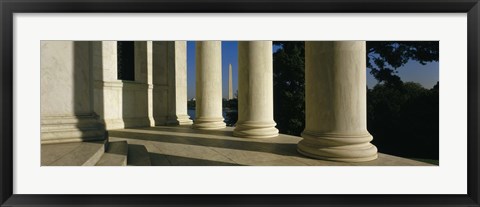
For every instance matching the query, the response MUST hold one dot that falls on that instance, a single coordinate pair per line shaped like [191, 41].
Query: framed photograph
[236, 103]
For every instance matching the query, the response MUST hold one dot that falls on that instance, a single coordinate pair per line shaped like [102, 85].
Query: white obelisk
[230, 85]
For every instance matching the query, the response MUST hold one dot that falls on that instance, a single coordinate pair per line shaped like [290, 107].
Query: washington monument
[230, 87]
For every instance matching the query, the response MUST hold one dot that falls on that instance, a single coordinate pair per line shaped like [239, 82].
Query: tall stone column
[170, 83]
[208, 85]
[255, 90]
[335, 97]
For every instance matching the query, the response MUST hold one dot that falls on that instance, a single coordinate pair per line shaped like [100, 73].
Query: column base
[160, 121]
[133, 122]
[251, 129]
[337, 147]
[114, 124]
[75, 128]
[184, 120]
[209, 123]
[179, 120]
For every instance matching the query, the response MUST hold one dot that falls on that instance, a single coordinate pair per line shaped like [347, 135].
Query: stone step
[138, 156]
[63, 129]
[69, 127]
[88, 119]
[72, 135]
[116, 154]
[72, 154]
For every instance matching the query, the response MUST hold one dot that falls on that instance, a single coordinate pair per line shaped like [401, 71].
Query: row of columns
[335, 92]
[335, 88]
[255, 90]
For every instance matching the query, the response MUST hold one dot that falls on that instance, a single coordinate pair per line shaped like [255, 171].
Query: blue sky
[413, 71]
[427, 75]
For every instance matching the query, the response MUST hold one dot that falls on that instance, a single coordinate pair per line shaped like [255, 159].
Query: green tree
[289, 87]
[403, 119]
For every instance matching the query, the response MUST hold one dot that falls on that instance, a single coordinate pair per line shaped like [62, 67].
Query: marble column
[170, 83]
[335, 97]
[67, 108]
[208, 85]
[255, 90]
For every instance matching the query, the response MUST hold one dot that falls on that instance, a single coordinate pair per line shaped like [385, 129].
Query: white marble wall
[65, 78]
[160, 82]
[67, 93]
[123, 103]
[135, 111]
[107, 88]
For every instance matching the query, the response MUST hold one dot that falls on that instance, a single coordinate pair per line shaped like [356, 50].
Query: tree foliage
[289, 87]
[385, 57]
[404, 119]
[231, 110]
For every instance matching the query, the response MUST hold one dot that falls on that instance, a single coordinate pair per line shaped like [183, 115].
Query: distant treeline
[404, 119]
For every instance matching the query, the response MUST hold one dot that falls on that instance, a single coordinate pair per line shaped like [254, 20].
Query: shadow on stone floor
[189, 129]
[246, 145]
[186, 146]
[138, 155]
[169, 160]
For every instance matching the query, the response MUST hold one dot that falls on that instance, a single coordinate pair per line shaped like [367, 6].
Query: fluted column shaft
[255, 90]
[335, 88]
[208, 85]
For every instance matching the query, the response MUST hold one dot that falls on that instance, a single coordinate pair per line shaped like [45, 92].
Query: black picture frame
[9, 7]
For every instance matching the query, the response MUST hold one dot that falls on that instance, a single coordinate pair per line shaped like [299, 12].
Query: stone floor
[184, 146]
